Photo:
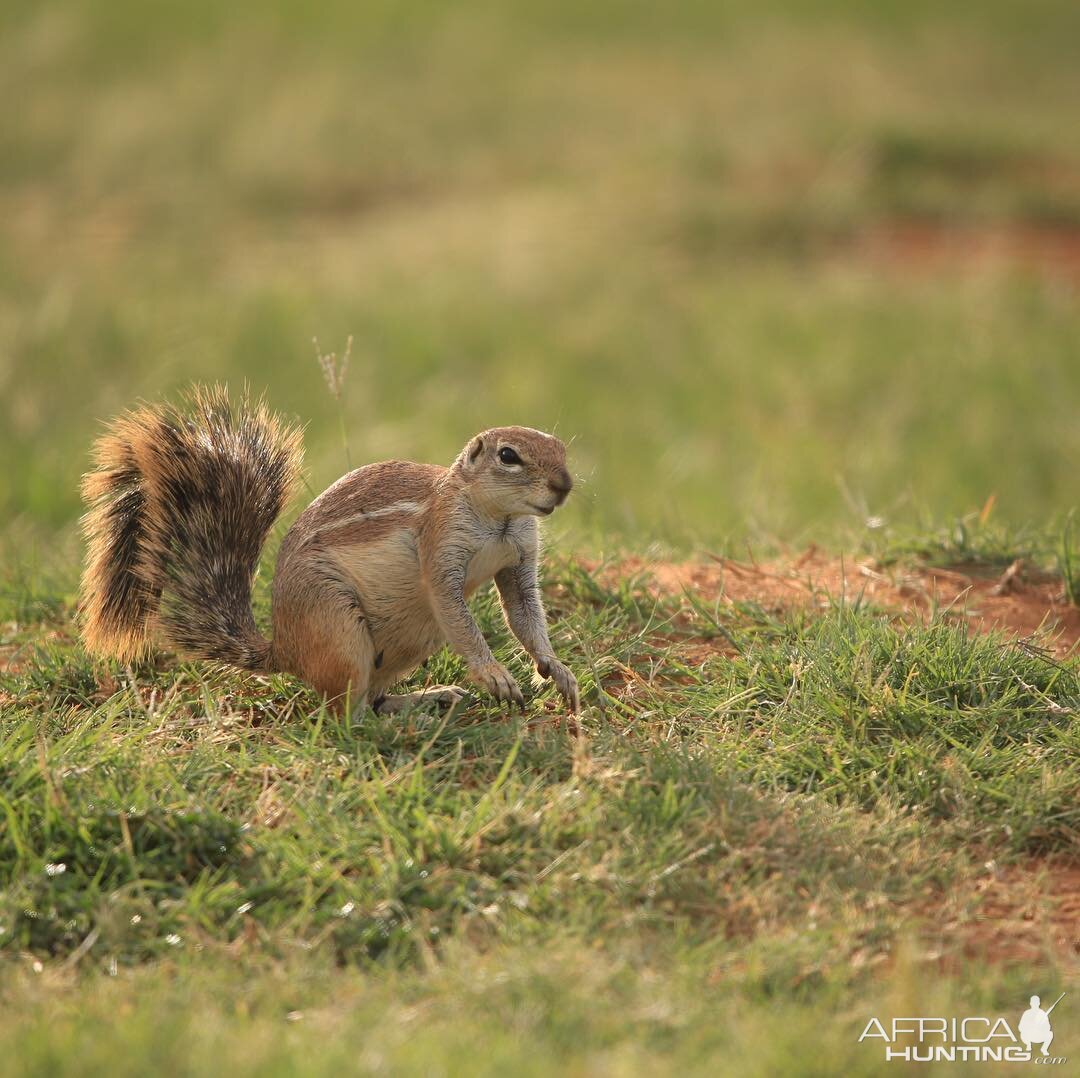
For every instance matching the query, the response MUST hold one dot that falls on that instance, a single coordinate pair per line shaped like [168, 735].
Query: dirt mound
[1021, 601]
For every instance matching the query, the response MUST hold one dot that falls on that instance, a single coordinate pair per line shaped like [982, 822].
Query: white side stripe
[374, 514]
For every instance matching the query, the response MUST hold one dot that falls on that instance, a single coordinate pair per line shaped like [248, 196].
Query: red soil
[928, 246]
[1022, 601]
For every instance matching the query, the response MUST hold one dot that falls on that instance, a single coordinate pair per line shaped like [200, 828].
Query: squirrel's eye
[508, 456]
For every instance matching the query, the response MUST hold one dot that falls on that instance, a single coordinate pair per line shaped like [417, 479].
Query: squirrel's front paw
[498, 681]
[564, 681]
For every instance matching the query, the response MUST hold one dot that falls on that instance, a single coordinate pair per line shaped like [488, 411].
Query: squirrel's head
[515, 471]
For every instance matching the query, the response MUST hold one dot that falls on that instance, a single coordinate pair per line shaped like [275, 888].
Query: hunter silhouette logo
[1035, 1025]
[969, 1040]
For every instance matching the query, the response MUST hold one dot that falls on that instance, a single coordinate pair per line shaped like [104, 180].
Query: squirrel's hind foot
[442, 696]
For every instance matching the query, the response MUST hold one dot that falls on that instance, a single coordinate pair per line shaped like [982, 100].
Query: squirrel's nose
[561, 484]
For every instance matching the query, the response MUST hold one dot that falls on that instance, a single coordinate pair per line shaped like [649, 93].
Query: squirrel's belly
[403, 629]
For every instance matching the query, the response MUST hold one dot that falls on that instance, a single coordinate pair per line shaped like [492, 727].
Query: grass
[780, 273]
[573, 205]
[758, 831]
[577, 1010]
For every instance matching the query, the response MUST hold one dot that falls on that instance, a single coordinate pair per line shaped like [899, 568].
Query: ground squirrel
[371, 579]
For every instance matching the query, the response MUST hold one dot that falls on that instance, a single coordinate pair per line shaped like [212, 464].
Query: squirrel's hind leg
[326, 643]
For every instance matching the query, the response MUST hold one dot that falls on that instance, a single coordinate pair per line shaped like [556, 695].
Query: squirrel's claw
[564, 681]
[498, 681]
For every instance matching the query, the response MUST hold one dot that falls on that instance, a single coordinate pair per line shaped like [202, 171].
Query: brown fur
[180, 505]
[120, 591]
[371, 579]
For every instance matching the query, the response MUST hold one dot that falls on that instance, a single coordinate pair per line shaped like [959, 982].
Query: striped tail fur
[179, 506]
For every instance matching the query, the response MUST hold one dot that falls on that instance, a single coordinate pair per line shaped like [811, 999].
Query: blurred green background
[774, 267]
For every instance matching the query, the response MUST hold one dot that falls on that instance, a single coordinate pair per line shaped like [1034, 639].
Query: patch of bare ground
[1022, 602]
[1022, 913]
[929, 246]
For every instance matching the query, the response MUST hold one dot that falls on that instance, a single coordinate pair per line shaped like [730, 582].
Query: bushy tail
[180, 504]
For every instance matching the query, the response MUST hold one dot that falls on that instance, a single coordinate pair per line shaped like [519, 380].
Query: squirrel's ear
[476, 447]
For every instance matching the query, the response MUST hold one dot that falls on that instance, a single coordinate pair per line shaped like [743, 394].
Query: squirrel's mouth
[546, 510]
